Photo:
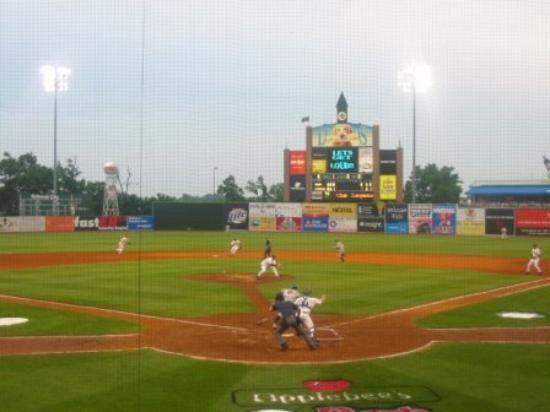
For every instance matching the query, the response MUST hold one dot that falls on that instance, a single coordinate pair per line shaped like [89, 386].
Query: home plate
[520, 315]
[12, 321]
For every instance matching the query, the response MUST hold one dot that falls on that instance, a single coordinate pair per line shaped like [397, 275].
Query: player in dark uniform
[289, 319]
[267, 248]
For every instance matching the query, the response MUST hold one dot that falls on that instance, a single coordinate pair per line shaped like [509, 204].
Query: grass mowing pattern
[48, 322]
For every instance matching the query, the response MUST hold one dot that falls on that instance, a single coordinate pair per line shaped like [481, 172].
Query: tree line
[25, 176]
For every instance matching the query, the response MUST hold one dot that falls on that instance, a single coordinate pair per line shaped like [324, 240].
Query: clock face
[342, 116]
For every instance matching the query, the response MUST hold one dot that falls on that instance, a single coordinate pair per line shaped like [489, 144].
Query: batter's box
[326, 334]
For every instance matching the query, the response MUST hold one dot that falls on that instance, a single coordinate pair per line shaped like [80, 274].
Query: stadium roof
[509, 190]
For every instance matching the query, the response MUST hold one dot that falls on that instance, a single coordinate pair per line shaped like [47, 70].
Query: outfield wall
[397, 218]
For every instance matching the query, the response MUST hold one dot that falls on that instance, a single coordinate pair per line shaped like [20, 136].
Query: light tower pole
[55, 79]
[214, 182]
[413, 79]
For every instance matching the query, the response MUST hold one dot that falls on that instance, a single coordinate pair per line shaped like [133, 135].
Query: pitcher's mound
[239, 277]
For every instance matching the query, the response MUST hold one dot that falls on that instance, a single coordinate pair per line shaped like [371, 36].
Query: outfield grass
[355, 242]
[463, 377]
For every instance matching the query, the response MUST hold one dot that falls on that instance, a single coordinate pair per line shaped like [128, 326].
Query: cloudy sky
[226, 83]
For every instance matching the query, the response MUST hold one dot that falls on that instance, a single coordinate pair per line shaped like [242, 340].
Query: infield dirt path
[249, 337]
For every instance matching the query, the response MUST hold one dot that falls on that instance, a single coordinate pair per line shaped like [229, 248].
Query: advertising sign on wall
[342, 135]
[288, 209]
[343, 210]
[342, 225]
[315, 224]
[288, 224]
[113, 222]
[261, 209]
[32, 224]
[297, 162]
[365, 160]
[534, 221]
[9, 224]
[141, 223]
[315, 209]
[388, 187]
[370, 224]
[87, 223]
[420, 218]
[396, 218]
[388, 162]
[471, 221]
[236, 216]
[262, 224]
[444, 219]
[498, 218]
[297, 188]
[59, 224]
[367, 210]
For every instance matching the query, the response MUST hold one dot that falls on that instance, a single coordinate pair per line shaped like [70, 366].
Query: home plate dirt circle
[249, 337]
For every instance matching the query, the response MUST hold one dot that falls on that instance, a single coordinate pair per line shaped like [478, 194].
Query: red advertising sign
[59, 224]
[533, 221]
[113, 222]
[297, 163]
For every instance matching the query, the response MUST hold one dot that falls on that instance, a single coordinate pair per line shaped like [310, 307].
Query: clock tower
[342, 109]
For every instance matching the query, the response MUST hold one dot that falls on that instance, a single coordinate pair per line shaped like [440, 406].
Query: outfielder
[123, 241]
[536, 255]
[305, 303]
[269, 262]
[235, 247]
[340, 249]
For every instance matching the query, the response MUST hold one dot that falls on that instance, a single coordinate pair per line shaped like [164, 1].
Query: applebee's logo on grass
[237, 216]
[348, 409]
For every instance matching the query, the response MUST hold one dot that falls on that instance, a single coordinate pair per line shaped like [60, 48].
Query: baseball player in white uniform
[536, 255]
[269, 262]
[340, 249]
[291, 294]
[123, 241]
[305, 303]
[235, 246]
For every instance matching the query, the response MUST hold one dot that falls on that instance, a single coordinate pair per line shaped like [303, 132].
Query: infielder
[235, 247]
[536, 255]
[269, 262]
[288, 318]
[340, 249]
[123, 241]
[305, 303]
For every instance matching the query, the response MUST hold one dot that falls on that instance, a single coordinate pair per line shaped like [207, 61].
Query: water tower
[110, 195]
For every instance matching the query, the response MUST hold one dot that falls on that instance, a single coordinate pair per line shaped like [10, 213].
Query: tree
[259, 189]
[276, 192]
[230, 191]
[435, 185]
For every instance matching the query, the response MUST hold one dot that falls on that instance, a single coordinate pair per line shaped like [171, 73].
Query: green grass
[49, 322]
[485, 314]
[164, 287]
[464, 377]
[356, 242]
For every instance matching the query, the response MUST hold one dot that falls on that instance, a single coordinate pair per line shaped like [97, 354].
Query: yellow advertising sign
[339, 210]
[318, 166]
[388, 187]
[262, 224]
[315, 209]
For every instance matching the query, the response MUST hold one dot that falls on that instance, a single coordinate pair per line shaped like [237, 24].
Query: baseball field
[176, 323]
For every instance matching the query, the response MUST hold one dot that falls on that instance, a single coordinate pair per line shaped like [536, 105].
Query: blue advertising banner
[141, 223]
[444, 219]
[315, 224]
[397, 218]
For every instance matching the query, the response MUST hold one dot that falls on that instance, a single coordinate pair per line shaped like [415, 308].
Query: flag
[305, 119]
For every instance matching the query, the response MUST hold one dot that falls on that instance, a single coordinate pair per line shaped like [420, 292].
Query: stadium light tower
[413, 79]
[214, 182]
[55, 80]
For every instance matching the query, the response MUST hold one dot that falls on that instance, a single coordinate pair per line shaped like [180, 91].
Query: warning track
[249, 338]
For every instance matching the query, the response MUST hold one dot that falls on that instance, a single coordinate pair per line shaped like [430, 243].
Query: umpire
[289, 319]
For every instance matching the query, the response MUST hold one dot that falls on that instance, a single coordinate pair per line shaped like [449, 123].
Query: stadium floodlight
[413, 79]
[55, 79]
